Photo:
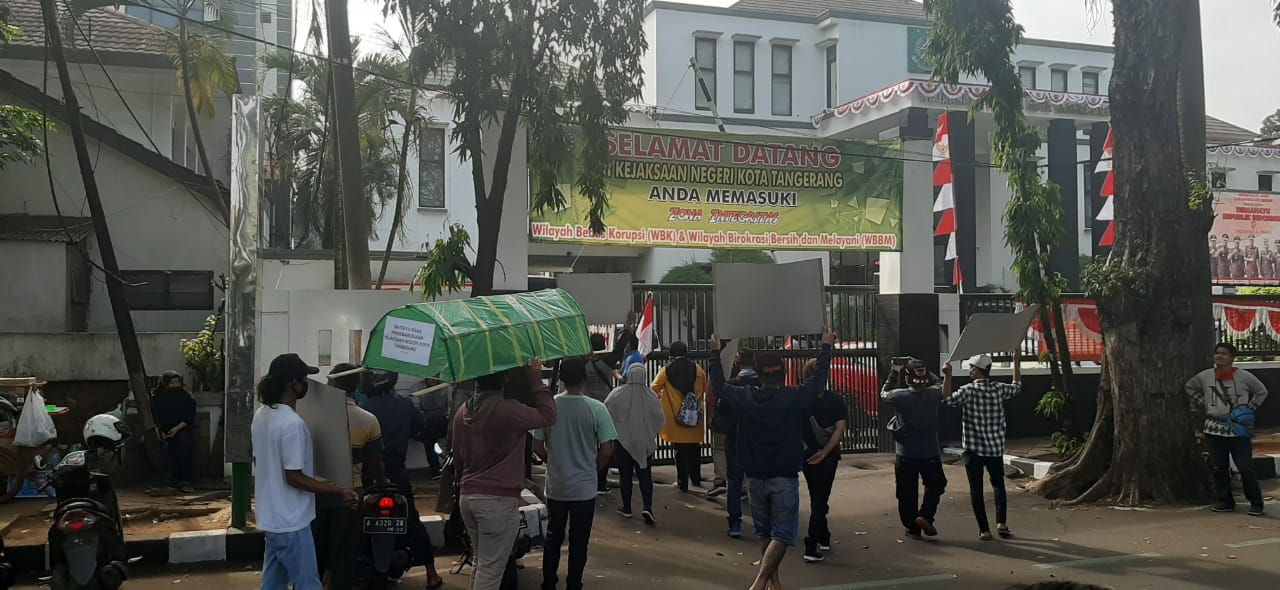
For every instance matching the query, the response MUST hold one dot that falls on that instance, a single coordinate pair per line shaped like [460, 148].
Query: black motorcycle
[385, 521]
[86, 541]
[6, 570]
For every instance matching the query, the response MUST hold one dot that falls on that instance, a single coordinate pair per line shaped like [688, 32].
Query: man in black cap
[285, 484]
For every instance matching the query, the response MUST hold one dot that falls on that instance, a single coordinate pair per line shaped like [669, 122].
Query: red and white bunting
[944, 194]
[1108, 192]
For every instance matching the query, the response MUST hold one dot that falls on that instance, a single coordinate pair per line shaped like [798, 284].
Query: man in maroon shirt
[488, 440]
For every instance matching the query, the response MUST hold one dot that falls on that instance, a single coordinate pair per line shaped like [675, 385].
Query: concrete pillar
[1063, 172]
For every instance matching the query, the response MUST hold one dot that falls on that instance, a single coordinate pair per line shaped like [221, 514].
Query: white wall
[86, 356]
[33, 293]
[1243, 170]
[155, 224]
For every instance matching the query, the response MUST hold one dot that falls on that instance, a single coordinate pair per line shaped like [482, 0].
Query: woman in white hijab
[637, 415]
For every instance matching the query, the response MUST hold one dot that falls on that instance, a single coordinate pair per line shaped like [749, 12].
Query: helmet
[917, 374]
[105, 431]
[378, 381]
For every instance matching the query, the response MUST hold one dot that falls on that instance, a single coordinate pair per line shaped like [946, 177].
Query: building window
[1089, 83]
[1218, 179]
[1058, 80]
[431, 168]
[1028, 75]
[1264, 183]
[160, 290]
[782, 80]
[704, 52]
[832, 77]
[744, 77]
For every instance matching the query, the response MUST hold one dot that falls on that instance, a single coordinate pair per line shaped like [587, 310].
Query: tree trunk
[354, 209]
[489, 209]
[129, 348]
[401, 183]
[187, 76]
[1156, 310]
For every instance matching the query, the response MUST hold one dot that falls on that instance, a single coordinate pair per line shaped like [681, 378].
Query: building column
[1062, 171]
[965, 184]
[1093, 185]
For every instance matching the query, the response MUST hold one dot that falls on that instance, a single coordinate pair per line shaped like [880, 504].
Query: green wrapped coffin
[455, 341]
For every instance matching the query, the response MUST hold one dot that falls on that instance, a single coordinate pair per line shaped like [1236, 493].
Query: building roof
[36, 99]
[911, 10]
[44, 228]
[1218, 131]
[110, 32]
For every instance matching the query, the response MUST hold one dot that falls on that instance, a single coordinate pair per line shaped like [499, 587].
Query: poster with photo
[1244, 245]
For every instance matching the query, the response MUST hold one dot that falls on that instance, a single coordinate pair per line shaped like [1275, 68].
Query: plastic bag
[35, 427]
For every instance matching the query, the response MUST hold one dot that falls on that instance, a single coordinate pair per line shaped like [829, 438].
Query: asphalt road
[1170, 549]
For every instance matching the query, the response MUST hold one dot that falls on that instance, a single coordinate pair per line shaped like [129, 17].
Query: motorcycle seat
[80, 504]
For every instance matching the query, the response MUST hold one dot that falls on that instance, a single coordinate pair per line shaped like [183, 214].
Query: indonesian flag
[1108, 192]
[644, 332]
[944, 195]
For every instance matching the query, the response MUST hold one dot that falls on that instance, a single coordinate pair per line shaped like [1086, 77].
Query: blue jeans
[733, 465]
[291, 557]
[775, 508]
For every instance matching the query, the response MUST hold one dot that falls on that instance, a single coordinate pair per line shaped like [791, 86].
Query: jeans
[974, 465]
[627, 468]
[909, 473]
[492, 524]
[688, 465]
[181, 453]
[775, 508]
[1224, 449]
[820, 478]
[719, 457]
[290, 557]
[733, 466]
[577, 518]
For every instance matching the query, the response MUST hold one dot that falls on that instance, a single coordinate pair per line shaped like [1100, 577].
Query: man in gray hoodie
[1228, 397]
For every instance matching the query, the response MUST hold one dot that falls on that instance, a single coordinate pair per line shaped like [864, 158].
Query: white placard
[768, 299]
[986, 333]
[408, 340]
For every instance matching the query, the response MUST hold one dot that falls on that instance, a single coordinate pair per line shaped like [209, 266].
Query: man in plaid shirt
[983, 435]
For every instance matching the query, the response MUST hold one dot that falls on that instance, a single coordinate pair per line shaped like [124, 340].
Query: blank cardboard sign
[768, 299]
[986, 333]
[605, 298]
[324, 409]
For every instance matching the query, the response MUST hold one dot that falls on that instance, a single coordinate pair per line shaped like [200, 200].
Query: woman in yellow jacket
[679, 378]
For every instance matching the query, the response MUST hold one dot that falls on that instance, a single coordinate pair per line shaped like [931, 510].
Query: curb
[233, 544]
[1266, 466]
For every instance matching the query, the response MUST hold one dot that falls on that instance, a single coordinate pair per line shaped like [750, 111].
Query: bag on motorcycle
[35, 427]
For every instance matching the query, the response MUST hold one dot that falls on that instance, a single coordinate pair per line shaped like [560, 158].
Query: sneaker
[927, 527]
[624, 513]
[735, 530]
[716, 490]
[648, 517]
[824, 546]
[602, 492]
[1224, 508]
[915, 535]
[813, 555]
[1256, 511]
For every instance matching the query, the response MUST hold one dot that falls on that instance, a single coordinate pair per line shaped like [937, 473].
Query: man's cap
[290, 366]
[981, 361]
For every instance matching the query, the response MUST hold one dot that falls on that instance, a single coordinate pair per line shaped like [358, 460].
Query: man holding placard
[983, 434]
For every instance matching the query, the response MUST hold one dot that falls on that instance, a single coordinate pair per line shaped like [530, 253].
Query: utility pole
[354, 210]
[115, 291]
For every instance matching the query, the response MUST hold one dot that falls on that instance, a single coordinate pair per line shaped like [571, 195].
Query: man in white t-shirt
[284, 486]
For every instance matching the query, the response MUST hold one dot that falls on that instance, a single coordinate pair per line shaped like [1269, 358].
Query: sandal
[984, 536]
[1003, 531]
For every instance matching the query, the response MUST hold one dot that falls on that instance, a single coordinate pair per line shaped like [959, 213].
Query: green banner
[688, 189]
[917, 63]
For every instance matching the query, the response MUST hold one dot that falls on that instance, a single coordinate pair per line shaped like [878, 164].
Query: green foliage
[447, 268]
[20, 128]
[1200, 196]
[205, 356]
[690, 273]
[1258, 291]
[1067, 446]
[1101, 279]
[1051, 405]
[741, 256]
[1271, 124]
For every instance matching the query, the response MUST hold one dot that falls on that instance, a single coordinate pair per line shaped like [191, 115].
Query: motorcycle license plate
[385, 526]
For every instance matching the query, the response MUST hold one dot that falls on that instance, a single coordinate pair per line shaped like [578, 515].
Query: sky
[1241, 43]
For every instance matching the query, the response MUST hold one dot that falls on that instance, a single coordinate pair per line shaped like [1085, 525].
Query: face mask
[301, 392]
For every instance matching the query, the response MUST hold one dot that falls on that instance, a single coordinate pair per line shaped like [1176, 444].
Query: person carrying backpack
[682, 388]
[1228, 398]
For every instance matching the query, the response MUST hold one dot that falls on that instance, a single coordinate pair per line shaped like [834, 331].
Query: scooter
[385, 522]
[6, 570]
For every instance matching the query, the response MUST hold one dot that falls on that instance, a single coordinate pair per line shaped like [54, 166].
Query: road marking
[1087, 563]
[887, 583]
[1254, 543]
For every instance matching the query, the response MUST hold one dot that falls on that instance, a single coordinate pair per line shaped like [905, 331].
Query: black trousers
[688, 465]
[181, 452]
[974, 466]
[338, 535]
[629, 468]
[820, 478]
[1224, 449]
[909, 473]
[576, 518]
